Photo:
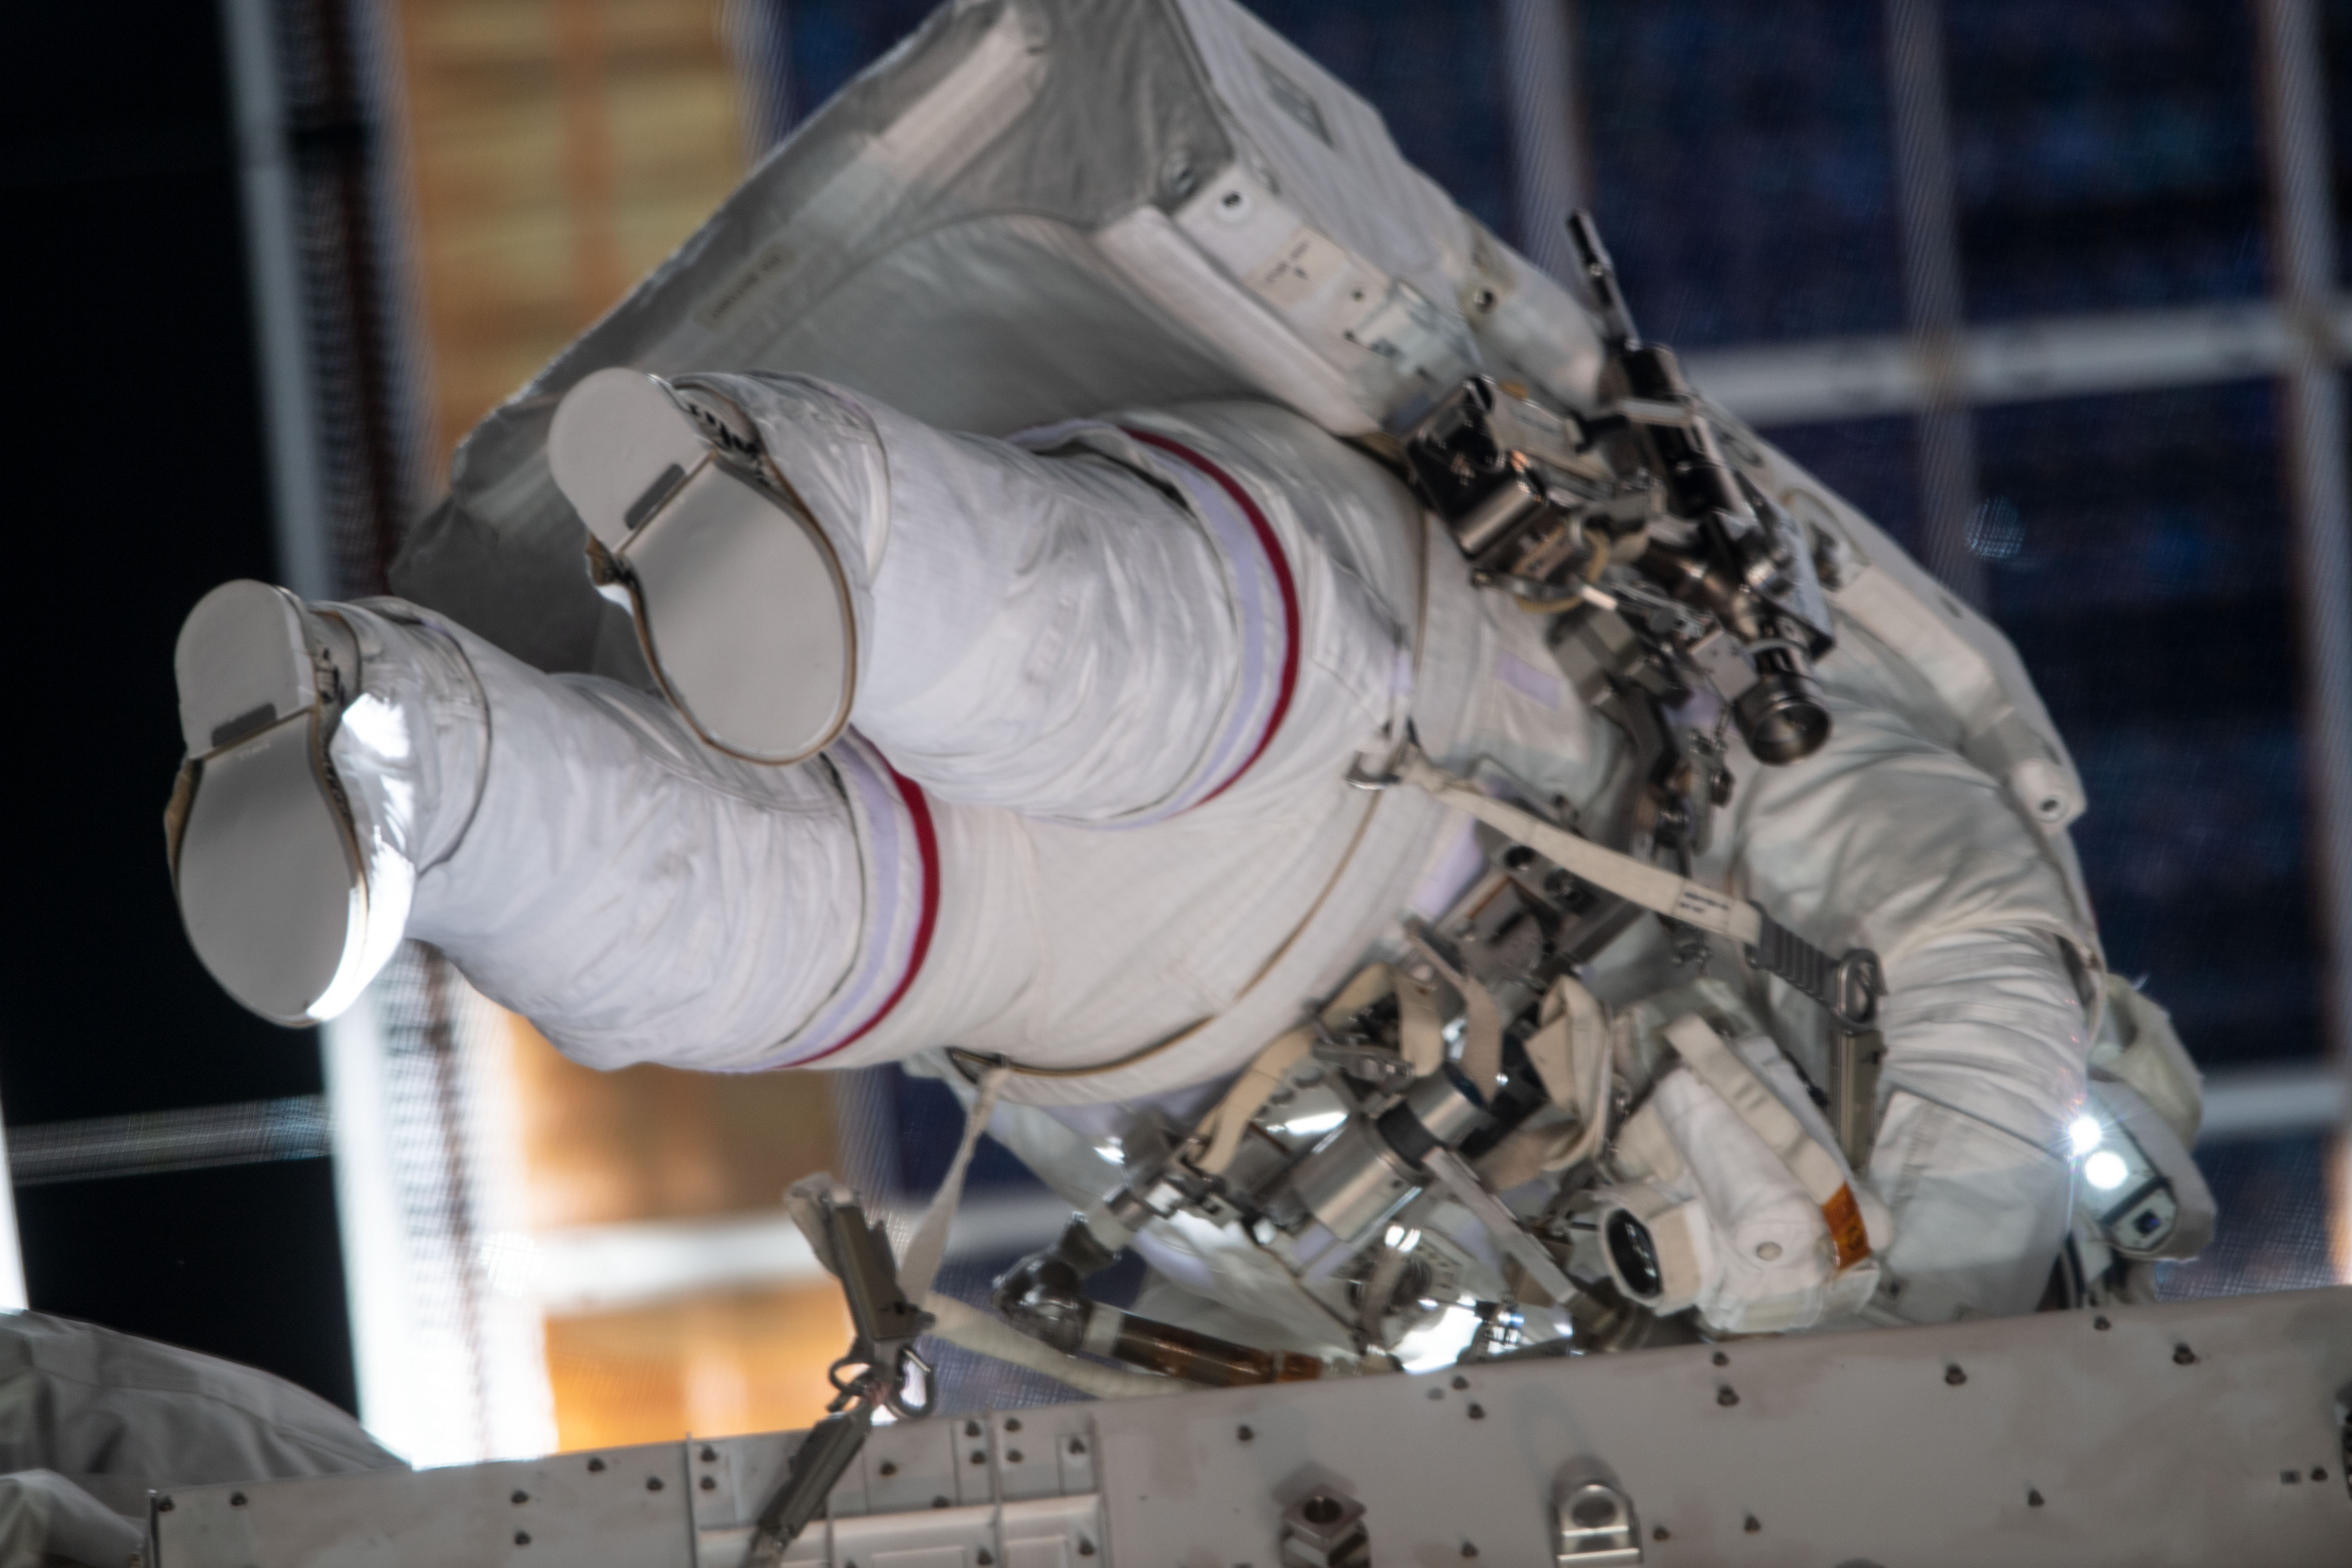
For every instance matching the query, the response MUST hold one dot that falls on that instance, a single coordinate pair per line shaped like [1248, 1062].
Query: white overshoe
[740, 599]
[331, 752]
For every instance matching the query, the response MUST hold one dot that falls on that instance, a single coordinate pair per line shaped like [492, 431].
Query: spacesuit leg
[1058, 633]
[580, 856]
[330, 754]
[1097, 635]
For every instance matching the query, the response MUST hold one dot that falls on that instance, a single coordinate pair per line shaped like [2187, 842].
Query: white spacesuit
[1092, 814]
[92, 1422]
[1356, 930]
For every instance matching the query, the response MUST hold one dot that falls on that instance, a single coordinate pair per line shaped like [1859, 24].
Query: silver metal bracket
[1847, 988]
[1594, 1527]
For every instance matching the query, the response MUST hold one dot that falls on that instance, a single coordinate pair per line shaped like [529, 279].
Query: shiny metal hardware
[1325, 1529]
[1378, 1066]
[1848, 988]
[1044, 1296]
[1359, 777]
[888, 1375]
[1594, 1527]
[1631, 510]
[1353, 1181]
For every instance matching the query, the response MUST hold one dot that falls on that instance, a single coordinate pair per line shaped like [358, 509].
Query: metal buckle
[1359, 779]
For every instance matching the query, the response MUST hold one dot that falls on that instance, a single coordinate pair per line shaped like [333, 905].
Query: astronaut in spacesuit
[1048, 757]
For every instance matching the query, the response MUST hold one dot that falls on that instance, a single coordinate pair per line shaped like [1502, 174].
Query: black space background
[136, 480]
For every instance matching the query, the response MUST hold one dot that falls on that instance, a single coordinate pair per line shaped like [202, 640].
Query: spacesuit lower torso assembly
[1361, 931]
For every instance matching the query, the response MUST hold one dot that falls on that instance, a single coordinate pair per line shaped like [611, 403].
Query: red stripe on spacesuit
[1282, 582]
[927, 845]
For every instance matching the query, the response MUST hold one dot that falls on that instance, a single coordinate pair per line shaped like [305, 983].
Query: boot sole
[740, 601]
[271, 885]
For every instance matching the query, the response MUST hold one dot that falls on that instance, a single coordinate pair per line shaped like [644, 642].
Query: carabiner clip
[911, 1372]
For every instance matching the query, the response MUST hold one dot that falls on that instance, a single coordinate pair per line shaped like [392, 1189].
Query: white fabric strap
[1421, 1033]
[929, 1246]
[1570, 1052]
[1636, 881]
[1815, 1168]
[1223, 1128]
[1481, 1025]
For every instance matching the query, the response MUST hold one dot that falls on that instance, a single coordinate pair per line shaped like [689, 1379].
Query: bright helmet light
[2084, 1135]
[2106, 1170]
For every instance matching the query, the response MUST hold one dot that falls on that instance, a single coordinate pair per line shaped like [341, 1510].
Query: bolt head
[1319, 1525]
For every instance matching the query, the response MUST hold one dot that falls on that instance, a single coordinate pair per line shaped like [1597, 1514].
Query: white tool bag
[1033, 210]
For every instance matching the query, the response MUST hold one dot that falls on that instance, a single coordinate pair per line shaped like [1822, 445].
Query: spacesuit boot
[740, 601]
[331, 752]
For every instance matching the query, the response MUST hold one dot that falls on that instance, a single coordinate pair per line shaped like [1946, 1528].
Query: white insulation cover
[1031, 210]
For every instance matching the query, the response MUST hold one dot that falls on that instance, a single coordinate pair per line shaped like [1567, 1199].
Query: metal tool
[884, 1372]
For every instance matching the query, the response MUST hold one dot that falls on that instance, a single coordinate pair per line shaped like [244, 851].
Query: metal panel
[620, 1507]
[2163, 1437]
[2198, 1433]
